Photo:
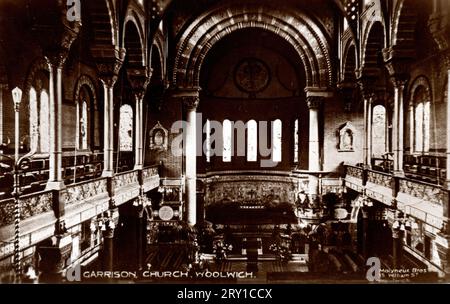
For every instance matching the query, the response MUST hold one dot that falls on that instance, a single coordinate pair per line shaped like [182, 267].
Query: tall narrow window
[419, 127]
[208, 141]
[426, 127]
[276, 140]
[126, 128]
[34, 120]
[227, 141]
[83, 126]
[379, 131]
[44, 128]
[252, 140]
[296, 141]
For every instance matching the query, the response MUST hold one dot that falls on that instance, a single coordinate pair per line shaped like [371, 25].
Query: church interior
[141, 140]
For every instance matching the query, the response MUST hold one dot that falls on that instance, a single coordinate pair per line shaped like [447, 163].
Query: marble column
[55, 181]
[367, 149]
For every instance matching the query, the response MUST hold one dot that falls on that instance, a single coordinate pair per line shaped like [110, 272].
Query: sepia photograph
[224, 143]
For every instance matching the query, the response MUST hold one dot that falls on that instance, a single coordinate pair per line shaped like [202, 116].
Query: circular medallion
[165, 213]
[252, 75]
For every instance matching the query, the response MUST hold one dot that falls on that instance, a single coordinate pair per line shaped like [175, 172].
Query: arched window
[379, 131]
[126, 128]
[227, 141]
[34, 120]
[252, 141]
[44, 126]
[82, 125]
[296, 141]
[421, 123]
[276, 140]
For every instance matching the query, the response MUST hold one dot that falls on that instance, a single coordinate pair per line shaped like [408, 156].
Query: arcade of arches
[302, 138]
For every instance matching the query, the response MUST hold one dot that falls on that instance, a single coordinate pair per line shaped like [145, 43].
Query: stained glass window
[276, 141]
[227, 141]
[44, 127]
[252, 140]
[379, 131]
[126, 128]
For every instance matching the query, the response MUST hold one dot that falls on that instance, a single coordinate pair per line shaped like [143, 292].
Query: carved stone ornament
[159, 137]
[346, 138]
[191, 102]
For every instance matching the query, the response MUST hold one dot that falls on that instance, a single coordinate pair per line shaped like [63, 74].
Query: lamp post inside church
[17, 98]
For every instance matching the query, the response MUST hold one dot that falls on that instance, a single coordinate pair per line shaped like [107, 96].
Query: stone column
[190, 99]
[398, 126]
[190, 103]
[109, 71]
[108, 127]
[55, 181]
[314, 165]
[139, 79]
[367, 149]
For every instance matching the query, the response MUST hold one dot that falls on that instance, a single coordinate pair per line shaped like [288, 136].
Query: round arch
[403, 24]
[350, 61]
[133, 43]
[85, 80]
[420, 81]
[373, 42]
[297, 29]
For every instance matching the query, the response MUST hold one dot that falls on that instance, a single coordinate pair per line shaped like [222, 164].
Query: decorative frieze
[125, 179]
[428, 193]
[85, 191]
[379, 179]
[355, 172]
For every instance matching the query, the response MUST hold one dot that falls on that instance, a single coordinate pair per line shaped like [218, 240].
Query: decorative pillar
[190, 98]
[367, 149]
[139, 79]
[109, 71]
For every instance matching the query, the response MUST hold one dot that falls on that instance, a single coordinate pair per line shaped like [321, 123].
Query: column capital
[398, 63]
[438, 26]
[109, 68]
[139, 79]
[190, 97]
[314, 102]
